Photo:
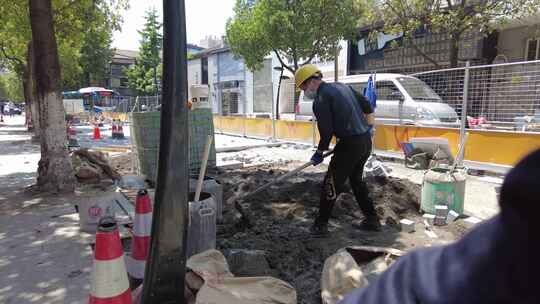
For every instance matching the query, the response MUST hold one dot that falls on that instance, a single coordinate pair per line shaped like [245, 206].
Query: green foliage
[11, 87]
[296, 30]
[452, 17]
[145, 74]
[96, 51]
[77, 24]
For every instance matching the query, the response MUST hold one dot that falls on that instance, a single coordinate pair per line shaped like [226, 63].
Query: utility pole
[165, 270]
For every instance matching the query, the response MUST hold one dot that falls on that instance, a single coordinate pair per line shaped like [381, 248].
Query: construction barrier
[495, 147]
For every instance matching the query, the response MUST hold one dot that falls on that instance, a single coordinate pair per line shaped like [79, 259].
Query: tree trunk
[29, 88]
[55, 173]
[28, 103]
[454, 49]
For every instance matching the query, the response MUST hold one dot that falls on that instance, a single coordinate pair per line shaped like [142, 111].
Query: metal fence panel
[500, 96]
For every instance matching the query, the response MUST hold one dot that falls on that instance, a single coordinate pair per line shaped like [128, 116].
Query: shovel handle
[285, 176]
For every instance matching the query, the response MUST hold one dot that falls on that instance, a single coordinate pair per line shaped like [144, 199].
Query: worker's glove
[371, 130]
[317, 158]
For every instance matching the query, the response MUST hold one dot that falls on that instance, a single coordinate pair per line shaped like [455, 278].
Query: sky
[203, 17]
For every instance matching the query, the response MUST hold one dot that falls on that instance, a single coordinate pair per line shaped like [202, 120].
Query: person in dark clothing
[344, 113]
[2, 106]
[497, 262]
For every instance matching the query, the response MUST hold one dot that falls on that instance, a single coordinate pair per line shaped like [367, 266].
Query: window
[532, 49]
[385, 90]
[359, 87]
[124, 83]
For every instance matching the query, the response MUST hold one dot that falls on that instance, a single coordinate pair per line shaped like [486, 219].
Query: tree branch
[282, 62]
[18, 60]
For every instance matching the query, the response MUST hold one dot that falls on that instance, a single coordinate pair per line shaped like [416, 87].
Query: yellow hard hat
[304, 73]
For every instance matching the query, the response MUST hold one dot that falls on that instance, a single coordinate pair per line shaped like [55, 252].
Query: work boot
[319, 229]
[369, 224]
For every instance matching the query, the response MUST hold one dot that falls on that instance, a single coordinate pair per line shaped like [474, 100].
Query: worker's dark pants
[350, 156]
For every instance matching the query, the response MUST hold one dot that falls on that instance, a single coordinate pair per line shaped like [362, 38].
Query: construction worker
[344, 113]
[496, 262]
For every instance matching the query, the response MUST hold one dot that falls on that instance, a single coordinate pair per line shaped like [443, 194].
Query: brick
[439, 221]
[441, 211]
[430, 218]
[452, 216]
[407, 225]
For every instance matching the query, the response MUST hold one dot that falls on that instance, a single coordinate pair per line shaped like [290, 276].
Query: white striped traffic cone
[140, 243]
[110, 283]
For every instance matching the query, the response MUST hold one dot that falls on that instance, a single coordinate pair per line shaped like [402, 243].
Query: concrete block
[441, 210]
[407, 225]
[430, 218]
[440, 220]
[471, 221]
[452, 216]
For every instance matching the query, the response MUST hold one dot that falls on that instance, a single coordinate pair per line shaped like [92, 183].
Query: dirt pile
[281, 217]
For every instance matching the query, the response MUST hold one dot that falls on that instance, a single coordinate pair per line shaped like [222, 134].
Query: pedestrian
[346, 114]
[497, 262]
[2, 105]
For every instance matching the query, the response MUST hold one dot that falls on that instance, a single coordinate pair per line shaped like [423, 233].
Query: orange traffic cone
[114, 131]
[140, 244]
[97, 133]
[109, 281]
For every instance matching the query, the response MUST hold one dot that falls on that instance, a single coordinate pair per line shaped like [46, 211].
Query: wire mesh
[500, 96]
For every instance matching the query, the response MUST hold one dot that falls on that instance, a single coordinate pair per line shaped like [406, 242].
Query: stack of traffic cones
[119, 130]
[140, 245]
[97, 133]
[109, 278]
[114, 130]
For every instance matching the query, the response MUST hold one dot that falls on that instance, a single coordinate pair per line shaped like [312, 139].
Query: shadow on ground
[282, 215]
[43, 256]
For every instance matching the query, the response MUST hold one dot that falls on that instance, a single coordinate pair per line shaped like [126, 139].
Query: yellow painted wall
[294, 131]
[258, 127]
[503, 148]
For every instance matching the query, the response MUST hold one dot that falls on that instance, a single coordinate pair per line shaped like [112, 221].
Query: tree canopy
[76, 23]
[452, 17]
[297, 31]
[144, 75]
[11, 87]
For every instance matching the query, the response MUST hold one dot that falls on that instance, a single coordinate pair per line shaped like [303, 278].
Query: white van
[400, 99]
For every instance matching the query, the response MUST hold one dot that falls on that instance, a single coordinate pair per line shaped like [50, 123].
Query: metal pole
[278, 92]
[165, 270]
[314, 130]
[273, 116]
[464, 105]
[336, 64]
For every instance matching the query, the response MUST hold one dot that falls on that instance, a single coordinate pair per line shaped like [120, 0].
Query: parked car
[400, 99]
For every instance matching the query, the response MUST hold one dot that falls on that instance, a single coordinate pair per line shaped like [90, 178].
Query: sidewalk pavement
[45, 259]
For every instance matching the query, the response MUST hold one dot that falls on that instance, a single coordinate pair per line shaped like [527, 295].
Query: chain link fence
[500, 96]
[128, 104]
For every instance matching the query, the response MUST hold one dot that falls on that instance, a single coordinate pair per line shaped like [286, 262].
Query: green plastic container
[146, 130]
[443, 187]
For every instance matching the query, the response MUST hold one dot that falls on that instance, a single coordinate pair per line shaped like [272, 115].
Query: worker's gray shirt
[340, 112]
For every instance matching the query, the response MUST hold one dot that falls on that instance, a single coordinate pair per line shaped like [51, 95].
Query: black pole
[165, 269]
[278, 92]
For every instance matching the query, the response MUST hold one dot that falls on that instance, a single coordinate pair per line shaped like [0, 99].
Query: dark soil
[281, 217]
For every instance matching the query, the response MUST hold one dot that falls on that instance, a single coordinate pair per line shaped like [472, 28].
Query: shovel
[240, 197]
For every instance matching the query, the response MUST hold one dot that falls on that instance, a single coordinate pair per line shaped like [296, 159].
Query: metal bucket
[213, 187]
[202, 224]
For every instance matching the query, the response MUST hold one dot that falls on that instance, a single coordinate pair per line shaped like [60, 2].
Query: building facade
[117, 78]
